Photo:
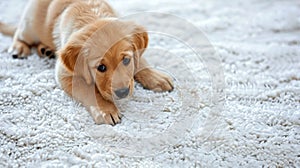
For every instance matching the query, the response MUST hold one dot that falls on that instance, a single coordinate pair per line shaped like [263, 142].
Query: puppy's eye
[101, 68]
[126, 61]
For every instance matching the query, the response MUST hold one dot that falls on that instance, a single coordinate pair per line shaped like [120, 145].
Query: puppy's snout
[122, 93]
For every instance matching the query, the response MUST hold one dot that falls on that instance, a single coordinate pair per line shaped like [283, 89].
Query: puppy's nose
[122, 93]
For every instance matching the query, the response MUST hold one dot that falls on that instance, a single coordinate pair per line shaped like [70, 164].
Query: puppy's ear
[75, 60]
[140, 43]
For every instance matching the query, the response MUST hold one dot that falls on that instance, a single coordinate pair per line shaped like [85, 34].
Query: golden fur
[99, 56]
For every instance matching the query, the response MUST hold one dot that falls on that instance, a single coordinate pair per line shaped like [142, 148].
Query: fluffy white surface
[258, 42]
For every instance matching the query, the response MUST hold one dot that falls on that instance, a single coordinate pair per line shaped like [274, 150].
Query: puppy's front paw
[154, 80]
[105, 117]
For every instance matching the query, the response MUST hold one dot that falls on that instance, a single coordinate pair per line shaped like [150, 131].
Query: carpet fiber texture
[236, 101]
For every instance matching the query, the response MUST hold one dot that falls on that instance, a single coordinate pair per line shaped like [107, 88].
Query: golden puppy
[99, 56]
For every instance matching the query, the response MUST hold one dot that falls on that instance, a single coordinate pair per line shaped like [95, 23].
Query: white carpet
[256, 121]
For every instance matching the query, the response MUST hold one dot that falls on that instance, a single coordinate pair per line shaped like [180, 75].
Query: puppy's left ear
[75, 60]
[140, 43]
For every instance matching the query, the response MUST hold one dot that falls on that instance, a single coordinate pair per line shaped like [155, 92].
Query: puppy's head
[106, 53]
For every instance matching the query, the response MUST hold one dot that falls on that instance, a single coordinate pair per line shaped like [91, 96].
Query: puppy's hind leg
[24, 38]
[26, 34]
[19, 49]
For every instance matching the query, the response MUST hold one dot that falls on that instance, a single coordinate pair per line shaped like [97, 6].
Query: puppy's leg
[19, 49]
[153, 79]
[26, 33]
[102, 111]
[44, 51]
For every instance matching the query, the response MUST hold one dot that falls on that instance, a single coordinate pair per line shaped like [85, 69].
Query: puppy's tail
[7, 30]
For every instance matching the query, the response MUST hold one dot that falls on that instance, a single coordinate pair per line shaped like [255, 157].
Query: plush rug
[236, 103]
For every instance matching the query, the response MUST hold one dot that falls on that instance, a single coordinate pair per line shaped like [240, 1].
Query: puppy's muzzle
[122, 93]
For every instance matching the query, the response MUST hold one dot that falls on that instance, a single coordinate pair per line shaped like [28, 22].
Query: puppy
[99, 56]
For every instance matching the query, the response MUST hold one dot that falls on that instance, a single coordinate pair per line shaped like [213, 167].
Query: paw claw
[43, 50]
[52, 57]
[15, 56]
[112, 118]
[48, 53]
